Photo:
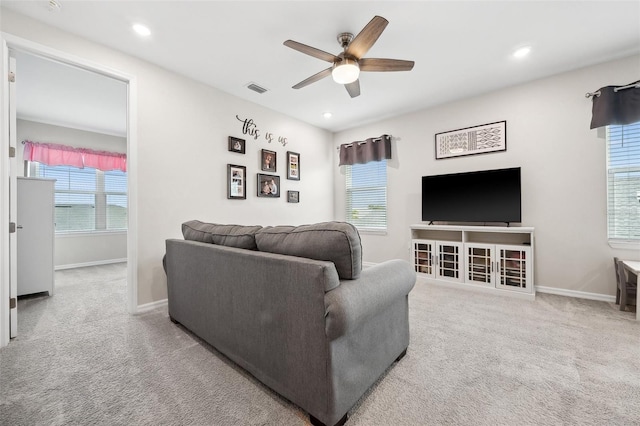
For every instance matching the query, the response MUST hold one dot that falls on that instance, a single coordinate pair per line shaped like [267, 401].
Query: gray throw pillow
[225, 235]
[338, 242]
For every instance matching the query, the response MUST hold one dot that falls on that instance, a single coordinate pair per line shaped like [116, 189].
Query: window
[86, 199]
[366, 205]
[623, 182]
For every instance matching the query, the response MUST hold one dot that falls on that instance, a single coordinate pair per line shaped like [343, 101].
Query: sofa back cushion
[338, 242]
[225, 235]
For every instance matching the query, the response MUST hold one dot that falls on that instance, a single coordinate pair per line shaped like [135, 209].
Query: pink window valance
[62, 155]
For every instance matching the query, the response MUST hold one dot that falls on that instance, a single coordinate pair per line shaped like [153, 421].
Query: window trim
[33, 168]
[616, 242]
[624, 244]
[373, 231]
[71, 234]
[368, 229]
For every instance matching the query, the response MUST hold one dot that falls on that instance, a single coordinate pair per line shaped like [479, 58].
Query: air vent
[54, 6]
[256, 88]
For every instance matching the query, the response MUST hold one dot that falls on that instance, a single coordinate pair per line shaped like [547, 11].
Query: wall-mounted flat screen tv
[481, 196]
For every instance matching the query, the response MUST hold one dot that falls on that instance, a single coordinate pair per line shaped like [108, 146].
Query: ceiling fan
[346, 66]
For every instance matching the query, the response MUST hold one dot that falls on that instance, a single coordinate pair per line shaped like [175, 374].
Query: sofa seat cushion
[225, 235]
[337, 242]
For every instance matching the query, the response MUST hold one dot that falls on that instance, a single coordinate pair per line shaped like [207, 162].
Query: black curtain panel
[372, 149]
[616, 107]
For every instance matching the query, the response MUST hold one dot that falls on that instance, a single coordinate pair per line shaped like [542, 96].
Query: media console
[491, 258]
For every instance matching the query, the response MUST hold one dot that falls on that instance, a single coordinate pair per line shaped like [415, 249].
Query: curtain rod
[616, 89]
[348, 145]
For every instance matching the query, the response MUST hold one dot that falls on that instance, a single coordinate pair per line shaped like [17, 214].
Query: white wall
[563, 171]
[90, 249]
[74, 249]
[183, 128]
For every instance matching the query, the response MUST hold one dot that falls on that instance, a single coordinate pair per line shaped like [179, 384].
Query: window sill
[371, 231]
[73, 234]
[624, 245]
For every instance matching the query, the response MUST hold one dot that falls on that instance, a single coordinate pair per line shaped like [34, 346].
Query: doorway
[27, 53]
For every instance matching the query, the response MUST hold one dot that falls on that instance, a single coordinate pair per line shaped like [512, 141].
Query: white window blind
[86, 199]
[623, 182]
[366, 186]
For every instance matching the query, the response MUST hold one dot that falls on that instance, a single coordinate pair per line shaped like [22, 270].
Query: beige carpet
[474, 359]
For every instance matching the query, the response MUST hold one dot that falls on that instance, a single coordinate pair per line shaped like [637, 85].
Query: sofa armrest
[355, 301]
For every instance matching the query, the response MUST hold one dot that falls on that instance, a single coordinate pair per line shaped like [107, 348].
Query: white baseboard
[540, 289]
[151, 306]
[576, 293]
[95, 263]
[480, 289]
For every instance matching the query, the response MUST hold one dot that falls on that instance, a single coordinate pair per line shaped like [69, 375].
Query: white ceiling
[460, 48]
[55, 93]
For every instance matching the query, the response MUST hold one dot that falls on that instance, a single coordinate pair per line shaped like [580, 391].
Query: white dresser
[36, 235]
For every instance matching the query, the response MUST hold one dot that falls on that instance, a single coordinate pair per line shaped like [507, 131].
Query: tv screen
[482, 196]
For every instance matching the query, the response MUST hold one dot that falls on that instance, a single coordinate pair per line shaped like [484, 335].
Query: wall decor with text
[250, 128]
[490, 137]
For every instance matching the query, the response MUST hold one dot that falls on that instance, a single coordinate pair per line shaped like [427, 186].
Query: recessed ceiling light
[141, 30]
[522, 52]
[327, 115]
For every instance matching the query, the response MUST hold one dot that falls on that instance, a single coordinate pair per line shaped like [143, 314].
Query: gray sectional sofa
[293, 307]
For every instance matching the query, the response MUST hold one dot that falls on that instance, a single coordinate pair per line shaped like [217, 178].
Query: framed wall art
[268, 186]
[268, 161]
[236, 182]
[490, 137]
[293, 165]
[236, 145]
[293, 196]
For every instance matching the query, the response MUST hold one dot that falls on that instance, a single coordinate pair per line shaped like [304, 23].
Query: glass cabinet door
[479, 261]
[449, 261]
[513, 267]
[423, 256]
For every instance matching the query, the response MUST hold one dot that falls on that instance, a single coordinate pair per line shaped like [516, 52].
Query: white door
[13, 204]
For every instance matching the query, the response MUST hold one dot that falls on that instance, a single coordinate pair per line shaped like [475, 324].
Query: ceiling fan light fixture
[347, 71]
[346, 66]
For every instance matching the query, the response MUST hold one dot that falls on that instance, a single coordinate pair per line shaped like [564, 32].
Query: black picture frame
[293, 196]
[268, 186]
[293, 165]
[268, 161]
[237, 145]
[236, 182]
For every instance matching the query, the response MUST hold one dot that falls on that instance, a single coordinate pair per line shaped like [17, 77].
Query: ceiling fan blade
[311, 51]
[353, 88]
[361, 44]
[319, 76]
[374, 64]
